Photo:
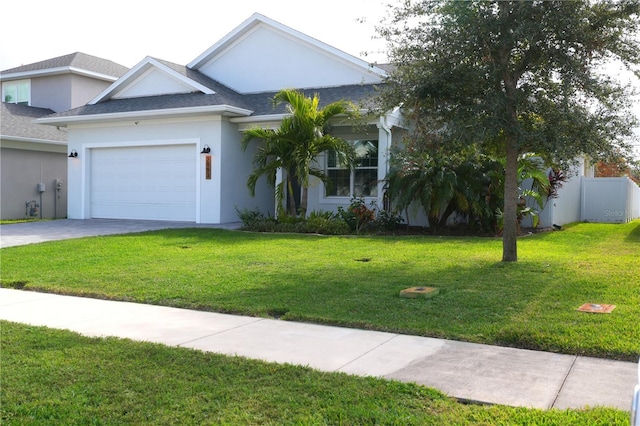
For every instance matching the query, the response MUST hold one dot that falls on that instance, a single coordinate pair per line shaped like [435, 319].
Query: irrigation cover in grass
[596, 308]
[415, 292]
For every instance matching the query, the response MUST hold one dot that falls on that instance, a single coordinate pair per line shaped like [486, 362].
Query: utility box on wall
[610, 200]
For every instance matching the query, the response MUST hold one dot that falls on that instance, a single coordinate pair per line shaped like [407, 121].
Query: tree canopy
[515, 77]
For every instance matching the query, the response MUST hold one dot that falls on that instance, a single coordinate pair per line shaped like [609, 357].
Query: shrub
[249, 217]
[357, 215]
[347, 217]
[326, 226]
[323, 214]
[387, 221]
[326, 223]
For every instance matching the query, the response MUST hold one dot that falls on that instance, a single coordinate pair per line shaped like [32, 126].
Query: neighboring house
[33, 168]
[163, 142]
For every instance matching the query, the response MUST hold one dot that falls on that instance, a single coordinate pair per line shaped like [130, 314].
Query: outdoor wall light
[73, 154]
[205, 150]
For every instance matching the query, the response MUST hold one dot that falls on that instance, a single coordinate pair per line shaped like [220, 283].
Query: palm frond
[299, 140]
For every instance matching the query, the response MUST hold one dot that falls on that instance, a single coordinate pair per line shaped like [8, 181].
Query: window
[16, 92]
[360, 182]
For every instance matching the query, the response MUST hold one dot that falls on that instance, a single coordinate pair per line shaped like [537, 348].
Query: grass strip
[57, 377]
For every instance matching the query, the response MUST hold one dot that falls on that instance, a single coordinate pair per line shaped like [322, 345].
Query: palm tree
[296, 144]
[531, 169]
[434, 182]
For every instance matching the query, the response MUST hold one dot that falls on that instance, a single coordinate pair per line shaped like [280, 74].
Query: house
[163, 141]
[34, 156]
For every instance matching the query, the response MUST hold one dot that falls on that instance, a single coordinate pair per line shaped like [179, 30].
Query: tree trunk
[291, 202]
[510, 218]
[511, 196]
[304, 200]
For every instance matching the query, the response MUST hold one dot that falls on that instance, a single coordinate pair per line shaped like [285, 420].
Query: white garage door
[149, 182]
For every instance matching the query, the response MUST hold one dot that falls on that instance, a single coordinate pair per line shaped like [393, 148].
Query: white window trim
[16, 83]
[352, 177]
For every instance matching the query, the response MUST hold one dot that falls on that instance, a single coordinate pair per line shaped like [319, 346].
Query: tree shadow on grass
[634, 235]
[493, 304]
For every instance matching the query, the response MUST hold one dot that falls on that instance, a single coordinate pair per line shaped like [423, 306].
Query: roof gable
[151, 77]
[263, 55]
[148, 82]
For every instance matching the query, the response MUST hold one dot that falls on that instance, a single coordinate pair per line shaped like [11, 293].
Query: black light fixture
[73, 154]
[205, 150]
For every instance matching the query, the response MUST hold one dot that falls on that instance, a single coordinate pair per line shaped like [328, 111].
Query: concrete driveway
[18, 234]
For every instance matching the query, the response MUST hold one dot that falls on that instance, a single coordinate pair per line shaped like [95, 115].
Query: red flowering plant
[362, 213]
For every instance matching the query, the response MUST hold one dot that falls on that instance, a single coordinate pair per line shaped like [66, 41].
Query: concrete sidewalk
[471, 372]
[18, 234]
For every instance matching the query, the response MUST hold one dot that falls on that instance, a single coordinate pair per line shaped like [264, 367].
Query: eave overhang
[5, 138]
[56, 71]
[225, 110]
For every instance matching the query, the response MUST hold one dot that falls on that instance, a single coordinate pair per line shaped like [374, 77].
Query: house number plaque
[207, 167]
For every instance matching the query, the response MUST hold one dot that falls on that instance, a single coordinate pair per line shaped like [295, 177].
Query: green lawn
[52, 377]
[355, 281]
[10, 221]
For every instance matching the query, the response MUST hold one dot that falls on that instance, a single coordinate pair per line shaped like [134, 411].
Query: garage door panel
[151, 182]
[143, 211]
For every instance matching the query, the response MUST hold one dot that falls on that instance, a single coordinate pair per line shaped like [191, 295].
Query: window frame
[363, 163]
[12, 88]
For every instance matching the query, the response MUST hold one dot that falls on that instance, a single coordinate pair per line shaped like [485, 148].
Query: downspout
[279, 179]
[387, 129]
[384, 125]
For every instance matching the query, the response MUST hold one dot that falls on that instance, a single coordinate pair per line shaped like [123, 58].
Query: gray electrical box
[41, 187]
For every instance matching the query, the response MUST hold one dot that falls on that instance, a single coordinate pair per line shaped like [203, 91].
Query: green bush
[343, 222]
[359, 217]
[326, 226]
[326, 223]
[323, 214]
[249, 217]
[386, 221]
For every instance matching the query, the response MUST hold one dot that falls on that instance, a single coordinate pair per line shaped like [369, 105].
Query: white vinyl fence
[610, 200]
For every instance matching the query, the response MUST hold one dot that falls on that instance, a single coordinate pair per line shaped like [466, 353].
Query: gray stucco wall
[64, 92]
[236, 168]
[53, 92]
[22, 170]
[84, 89]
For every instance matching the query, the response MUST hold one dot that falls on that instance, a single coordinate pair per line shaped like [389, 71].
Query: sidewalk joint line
[566, 377]
[257, 320]
[368, 352]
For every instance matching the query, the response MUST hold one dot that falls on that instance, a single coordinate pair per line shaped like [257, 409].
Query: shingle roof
[17, 121]
[259, 103]
[146, 103]
[360, 94]
[77, 60]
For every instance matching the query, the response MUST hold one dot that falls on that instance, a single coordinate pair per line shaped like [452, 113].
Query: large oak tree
[513, 77]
